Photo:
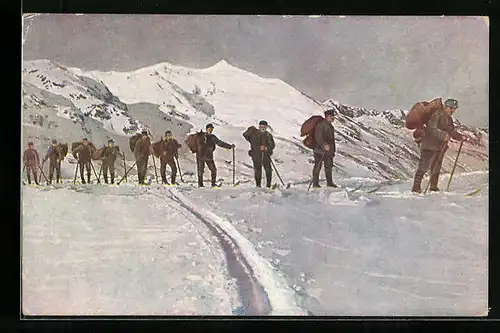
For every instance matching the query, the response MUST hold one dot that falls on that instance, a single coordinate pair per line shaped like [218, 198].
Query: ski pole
[316, 165]
[433, 170]
[100, 170]
[261, 162]
[274, 166]
[43, 174]
[154, 164]
[234, 168]
[35, 175]
[76, 171]
[179, 167]
[126, 172]
[124, 167]
[43, 163]
[95, 173]
[454, 166]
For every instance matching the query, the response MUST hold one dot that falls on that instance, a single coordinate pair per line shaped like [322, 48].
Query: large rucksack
[77, 144]
[307, 130]
[191, 141]
[98, 153]
[249, 133]
[63, 150]
[133, 140]
[157, 148]
[421, 112]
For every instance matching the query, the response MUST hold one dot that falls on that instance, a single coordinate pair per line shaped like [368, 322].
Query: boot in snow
[417, 183]
[329, 180]
[433, 187]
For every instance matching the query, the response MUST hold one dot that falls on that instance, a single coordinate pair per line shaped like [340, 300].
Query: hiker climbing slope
[437, 132]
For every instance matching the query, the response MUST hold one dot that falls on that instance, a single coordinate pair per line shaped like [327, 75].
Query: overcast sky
[369, 61]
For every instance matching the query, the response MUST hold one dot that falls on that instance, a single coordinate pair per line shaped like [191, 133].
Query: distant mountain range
[69, 103]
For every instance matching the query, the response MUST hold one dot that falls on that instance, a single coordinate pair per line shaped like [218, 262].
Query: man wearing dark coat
[324, 149]
[262, 146]
[206, 154]
[437, 132]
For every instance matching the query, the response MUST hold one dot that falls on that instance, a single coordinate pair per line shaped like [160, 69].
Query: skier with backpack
[31, 162]
[141, 147]
[168, 151]
[435, 128]
[203, 144]
[324, 149]
[261, 149]
[54, 155]
[109, 155]
[83, 152]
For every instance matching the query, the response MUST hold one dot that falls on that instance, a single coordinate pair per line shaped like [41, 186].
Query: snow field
[109, 254]
[369, 254]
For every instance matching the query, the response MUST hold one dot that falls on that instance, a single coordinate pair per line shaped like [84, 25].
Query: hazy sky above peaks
[368, 61]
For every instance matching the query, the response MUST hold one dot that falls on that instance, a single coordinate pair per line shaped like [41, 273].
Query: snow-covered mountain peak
[222, 65]
[331, 102]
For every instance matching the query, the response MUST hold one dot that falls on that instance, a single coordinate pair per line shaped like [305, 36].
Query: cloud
[374, 62]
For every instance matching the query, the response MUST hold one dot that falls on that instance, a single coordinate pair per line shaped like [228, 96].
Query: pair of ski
[338, 187]
[217, 184]
[470, 194]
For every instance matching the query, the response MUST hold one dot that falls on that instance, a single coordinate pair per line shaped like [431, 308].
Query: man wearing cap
[109, 155]
[206, 155]
[169, 152]
[262, 146]
[437, 131]
[324, 149]
[83, 153]
[31, 162]
[141, 152]
[53, 154]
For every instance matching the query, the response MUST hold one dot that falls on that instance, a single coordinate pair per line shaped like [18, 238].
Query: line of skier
[433, 140]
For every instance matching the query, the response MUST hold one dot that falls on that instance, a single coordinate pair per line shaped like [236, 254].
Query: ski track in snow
[259, 293]
[265, 263]
[128, 255]
[254, 299]
[282, 300]
[402, 258]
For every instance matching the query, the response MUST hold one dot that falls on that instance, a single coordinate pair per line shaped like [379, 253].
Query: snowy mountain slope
[46, 116]
[89, 97]
[370, 143]
[387, 143]
[238, 97]
[390, 253]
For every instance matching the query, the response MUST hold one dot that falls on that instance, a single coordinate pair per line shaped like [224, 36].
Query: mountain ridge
[118, 104]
